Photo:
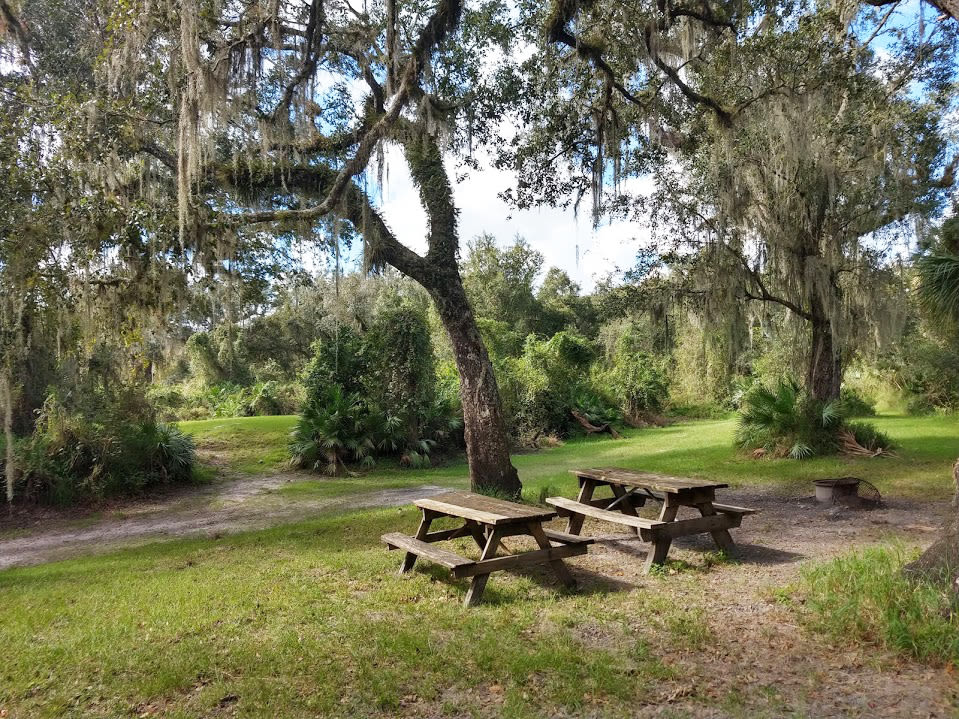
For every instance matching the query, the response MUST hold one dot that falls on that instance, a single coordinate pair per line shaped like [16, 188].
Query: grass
[309, 619]
[252, 445]
[697, 449]
[305, 620]
[865, 597]
[245, 445]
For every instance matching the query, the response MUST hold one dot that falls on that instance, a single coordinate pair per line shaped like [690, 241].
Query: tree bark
[941, 561]
[487, 448]
[824, 372]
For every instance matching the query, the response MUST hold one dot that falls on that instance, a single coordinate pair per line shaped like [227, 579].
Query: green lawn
[310, 619]
[928, 446]
[248, 445]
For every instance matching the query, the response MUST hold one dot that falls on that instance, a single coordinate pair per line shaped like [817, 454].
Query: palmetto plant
[783, 420]
[332, 429]
[939, 286]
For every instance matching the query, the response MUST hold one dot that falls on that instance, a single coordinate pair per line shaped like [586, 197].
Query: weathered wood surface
[650, 480]
[570, 506]
[486, 510]
[524, 559]
[450, 560]
[730, 509]
[554, 535]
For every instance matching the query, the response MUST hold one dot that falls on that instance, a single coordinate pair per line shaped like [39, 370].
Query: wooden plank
[563, 538]
[647, 527]
[730, 509]
[486, 510]
[526, 559]
[657, 482]
[398, 540]
[699, 525]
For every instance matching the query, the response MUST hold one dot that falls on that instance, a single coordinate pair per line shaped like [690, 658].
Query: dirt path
[231, 505]
[756, 661]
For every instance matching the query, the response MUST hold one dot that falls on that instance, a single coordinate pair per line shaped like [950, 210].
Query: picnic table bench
[631, 490]
[488, 521]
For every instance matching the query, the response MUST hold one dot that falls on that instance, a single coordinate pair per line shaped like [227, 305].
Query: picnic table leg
[575, 522]
[660, 549]
[478, 585]
[625, 505]
[722, 537]
[410, 559]
[559, 567]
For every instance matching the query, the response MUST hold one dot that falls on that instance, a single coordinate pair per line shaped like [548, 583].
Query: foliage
[73, 458]
[869, 437]
[853, 404]
[640, 382]
[785, 421]
[867, 598]
[336, 427]
[375, 394]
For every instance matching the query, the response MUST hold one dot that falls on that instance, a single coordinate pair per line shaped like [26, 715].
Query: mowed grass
[927, 448]
[248, 445]
[306, 620]
[311, 620]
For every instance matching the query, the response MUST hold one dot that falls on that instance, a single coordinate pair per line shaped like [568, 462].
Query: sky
[565, 240]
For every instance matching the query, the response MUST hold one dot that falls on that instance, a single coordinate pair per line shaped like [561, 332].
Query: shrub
[853, 404]
[785, 421]
[641, 383]
[869, 437]
[335, 426]
[72, 458]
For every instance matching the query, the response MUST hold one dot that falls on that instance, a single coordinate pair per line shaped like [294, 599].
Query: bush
[869, 437]
[787, 422]
[376, 395]
[853, 404]
[641, 383]
[865, 597]
[72, 458]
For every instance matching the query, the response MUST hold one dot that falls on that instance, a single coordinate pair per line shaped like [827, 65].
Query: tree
[262, 129]
[784, 148]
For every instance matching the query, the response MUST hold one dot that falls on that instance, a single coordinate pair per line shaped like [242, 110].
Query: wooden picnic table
[632, 489]
[487, 520]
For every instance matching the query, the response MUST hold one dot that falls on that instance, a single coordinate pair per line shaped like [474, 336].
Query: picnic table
[488, 521]
[631, 490]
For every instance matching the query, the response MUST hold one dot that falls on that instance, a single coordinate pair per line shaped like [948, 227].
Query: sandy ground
[755, 649]
[229, 505]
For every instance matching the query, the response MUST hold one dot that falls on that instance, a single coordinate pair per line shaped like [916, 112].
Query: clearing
[310, 619]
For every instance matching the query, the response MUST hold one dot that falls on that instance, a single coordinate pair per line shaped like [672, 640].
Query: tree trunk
[824, 373]
[487, 448]
[941, 561]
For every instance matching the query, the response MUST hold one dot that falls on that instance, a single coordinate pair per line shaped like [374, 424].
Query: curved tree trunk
[487, 448]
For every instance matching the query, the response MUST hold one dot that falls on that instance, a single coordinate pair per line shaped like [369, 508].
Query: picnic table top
[648, 480]
[483, 509]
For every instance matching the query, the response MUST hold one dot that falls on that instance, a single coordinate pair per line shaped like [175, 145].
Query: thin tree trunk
[487, 448]
[10, 466]
[824, 372]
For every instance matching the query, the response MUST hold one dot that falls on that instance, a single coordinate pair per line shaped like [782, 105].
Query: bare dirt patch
[230, 505]
[751, 657]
